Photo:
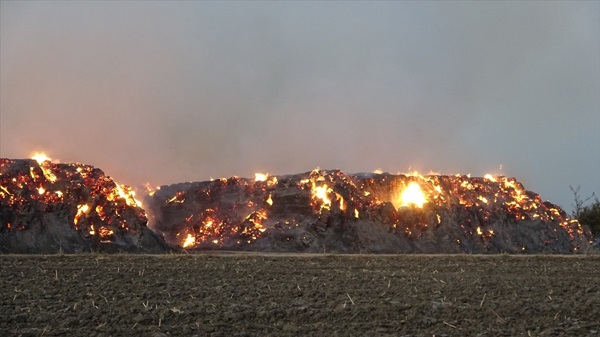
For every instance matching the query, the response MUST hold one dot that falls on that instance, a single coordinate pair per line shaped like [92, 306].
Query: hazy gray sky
[165, 92]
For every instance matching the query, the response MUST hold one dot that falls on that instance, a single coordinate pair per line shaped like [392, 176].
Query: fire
[342, 204]
[45, 164]
[261, 176]
[271, 180]
[150, 189]
[95, 204]
[41, 157]
[412, 195]
[257, 219]
[235, 209]
[189, 241]
[126, 193]
[105, 232]
[81, 210]
[490, 177]
[321, 193]
[2, 194]
[179, 198]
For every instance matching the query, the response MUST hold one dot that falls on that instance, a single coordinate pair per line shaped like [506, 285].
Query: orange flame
[260, 176]
[81, 210]
[41, 157]
[44, 162]
[412, 195]
[189, 241]
[320, 193]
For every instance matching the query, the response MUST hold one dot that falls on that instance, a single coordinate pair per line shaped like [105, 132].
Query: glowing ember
[150, 189]
[45, 164]
[105, 232]
[257, 219]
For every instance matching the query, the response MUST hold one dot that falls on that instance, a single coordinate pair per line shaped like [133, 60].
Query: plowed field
[299, 295]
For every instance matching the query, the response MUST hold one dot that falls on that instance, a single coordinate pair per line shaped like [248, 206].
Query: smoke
[164, 92]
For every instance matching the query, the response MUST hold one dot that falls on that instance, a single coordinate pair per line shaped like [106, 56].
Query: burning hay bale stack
[334, 212]
[47, 207]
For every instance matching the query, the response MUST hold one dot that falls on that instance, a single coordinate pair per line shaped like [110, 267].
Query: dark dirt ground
[299, 295]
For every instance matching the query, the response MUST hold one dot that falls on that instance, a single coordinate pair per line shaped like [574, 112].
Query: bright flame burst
[41, 157]
[490, 177]
[271, 180]
[412, 195]
[189, 241]
[81, 210]
[321, 193]
[44, 162]
[260, 176]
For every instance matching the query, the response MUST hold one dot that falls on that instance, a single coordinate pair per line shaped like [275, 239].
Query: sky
[167, 92]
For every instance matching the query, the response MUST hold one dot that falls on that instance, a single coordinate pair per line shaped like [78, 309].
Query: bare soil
[299, 295]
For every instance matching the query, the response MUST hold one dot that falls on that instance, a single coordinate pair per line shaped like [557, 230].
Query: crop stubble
[299, 295]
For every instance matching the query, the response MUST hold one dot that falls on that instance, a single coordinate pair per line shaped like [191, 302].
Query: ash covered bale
[48, 208]
[329, 211]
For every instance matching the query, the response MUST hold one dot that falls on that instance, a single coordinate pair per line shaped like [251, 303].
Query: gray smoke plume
[164, 92]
